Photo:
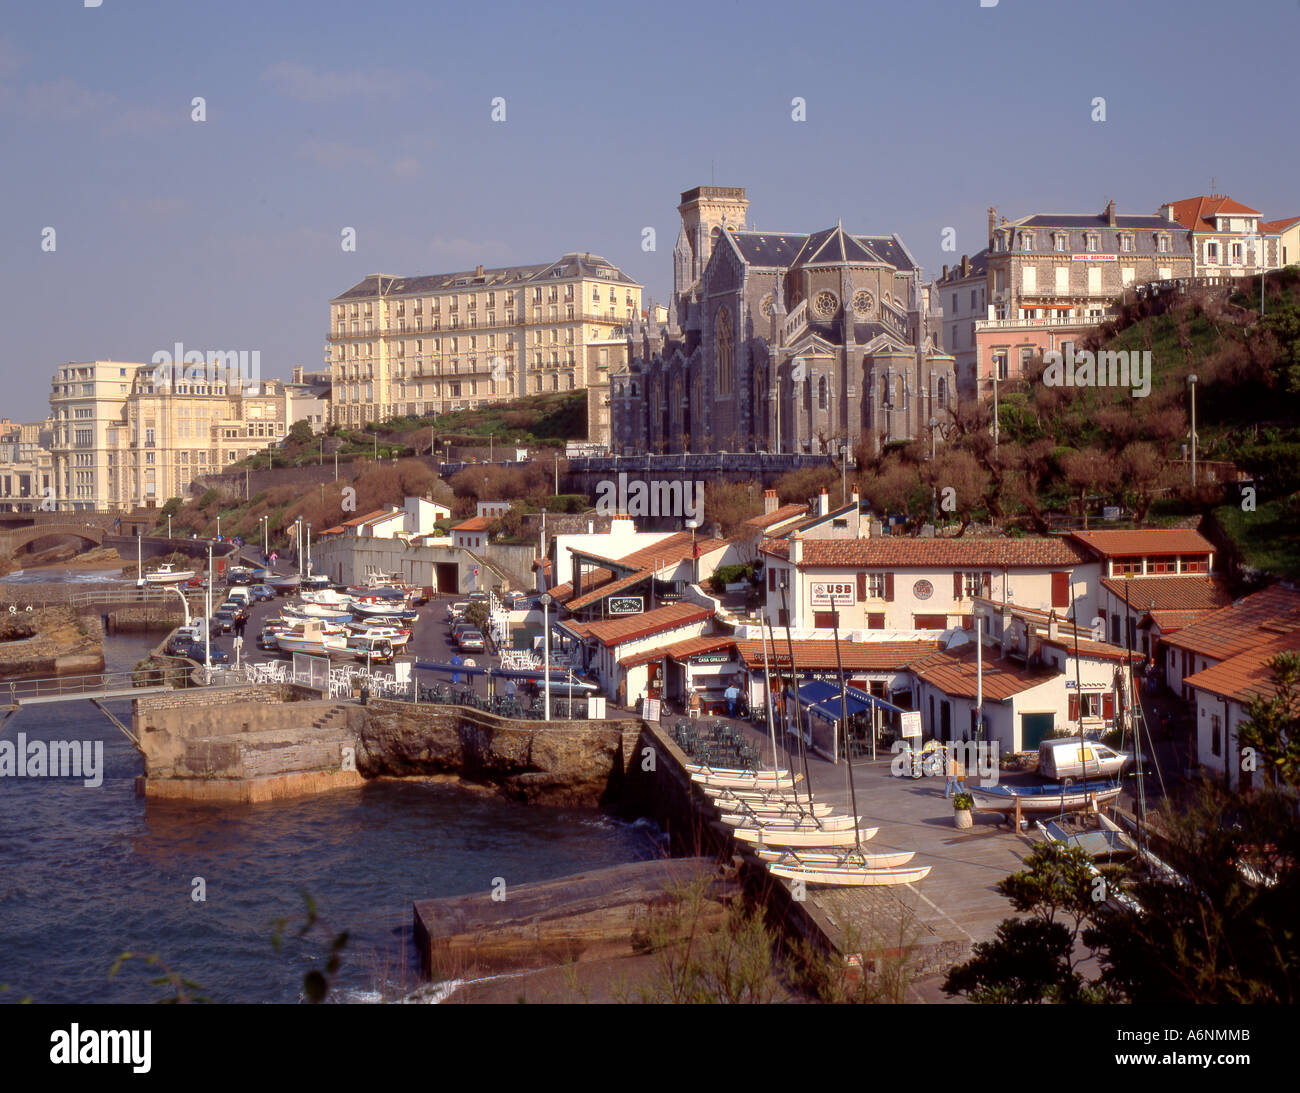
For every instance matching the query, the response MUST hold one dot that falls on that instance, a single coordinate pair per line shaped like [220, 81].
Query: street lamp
[309, 548]
[1191, 382]
[545, 600]
[169, 525]
[207, 622]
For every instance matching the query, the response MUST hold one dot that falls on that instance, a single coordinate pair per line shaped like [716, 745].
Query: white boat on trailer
[850, 876]
[168, 574]
[794, 821]
[770, 836]
[887, 859]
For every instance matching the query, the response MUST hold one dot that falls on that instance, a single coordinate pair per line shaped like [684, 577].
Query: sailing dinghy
[771, 836]
[791, 822]
[889, 859]
[850, 875]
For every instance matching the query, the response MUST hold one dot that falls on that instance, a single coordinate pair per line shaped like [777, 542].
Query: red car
[197, 582]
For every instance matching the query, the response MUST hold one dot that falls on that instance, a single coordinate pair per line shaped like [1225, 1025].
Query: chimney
[823, 503]
[965, 265]
[770, 504]
[993, 223]
[478, 271]
[1110, 212]
[945, 274]
[1053, 626]
[796, 548]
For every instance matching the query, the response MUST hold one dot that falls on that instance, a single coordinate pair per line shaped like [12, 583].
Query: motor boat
[326, 596]
[318, 611]
[313, 639]
[285, 584]
[169, 574]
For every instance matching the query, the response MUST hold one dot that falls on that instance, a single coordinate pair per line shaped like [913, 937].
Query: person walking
[953, 768]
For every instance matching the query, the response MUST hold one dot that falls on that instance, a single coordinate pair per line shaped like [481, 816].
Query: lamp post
[308, 548]
[207, 622]
[169, 526]
[545, 600]
[1191, 382]
[218, 525]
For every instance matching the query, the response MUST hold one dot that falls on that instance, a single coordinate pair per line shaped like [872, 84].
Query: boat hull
[800, 858]
[851, 877]
[795, 839]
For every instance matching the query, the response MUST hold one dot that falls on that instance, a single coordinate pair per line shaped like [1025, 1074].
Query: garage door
[447, 574]
[1034, 728]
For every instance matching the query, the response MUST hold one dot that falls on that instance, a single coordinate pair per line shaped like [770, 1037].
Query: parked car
[1067, 758]
[456, 611]
[262, 592]
[240, 575]
[470, 641]
[197, 582]
[224, 620]
[266, 641]
[237, 607]
[196, 650]
[478, 597]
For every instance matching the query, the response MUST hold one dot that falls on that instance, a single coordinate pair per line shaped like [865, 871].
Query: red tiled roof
[954, 672]
[613, 632]
[1113, 544]
[1246, 675]
[607, 588]
[777, 516]
[1089, 648]
[676, 548]
[1189, 593]
[357, 521]
[1241, 626]
[682, 650]
[898, 552]
[1198, 213]
[1170, 620]
[819, 655]
[1274, 226]
[474, 523]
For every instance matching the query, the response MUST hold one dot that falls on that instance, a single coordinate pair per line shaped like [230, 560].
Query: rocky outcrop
[48, 641]
[546, 762]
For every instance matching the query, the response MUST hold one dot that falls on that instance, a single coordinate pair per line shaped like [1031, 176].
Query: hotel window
[1162, 244]
[1126, 242]
[1090, 243]
[1000, 364]
[1026, 240]
[1026, 355]
[1060, 240]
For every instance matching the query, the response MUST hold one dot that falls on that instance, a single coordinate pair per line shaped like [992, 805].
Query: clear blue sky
[321, 114]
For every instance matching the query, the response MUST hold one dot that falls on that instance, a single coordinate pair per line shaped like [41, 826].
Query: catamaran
[850, 875]
[888, 859]
[771, 807]
[769, 836]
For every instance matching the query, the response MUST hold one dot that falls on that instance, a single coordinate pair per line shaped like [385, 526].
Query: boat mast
[780, 682]
[1136, 714]
[771, 721]
[794, 682]
[844, 720]
[1078, 689]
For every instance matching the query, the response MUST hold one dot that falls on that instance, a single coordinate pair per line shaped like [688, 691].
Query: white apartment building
[433, 344]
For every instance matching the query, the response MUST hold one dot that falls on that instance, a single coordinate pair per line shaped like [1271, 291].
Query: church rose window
[824, 304]
[863, 303]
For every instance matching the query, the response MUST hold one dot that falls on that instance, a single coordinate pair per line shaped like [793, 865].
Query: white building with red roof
[1229, 239]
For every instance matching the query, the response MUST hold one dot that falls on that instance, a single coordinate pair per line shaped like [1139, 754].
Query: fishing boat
[316, 582]
[889, 859]
[316, 611]
[768, 836]
[284, 584]
[853, 876]
[1046, 798]
[312, 639]
[398, 639]
[791, 822]
[169, 574]
[326, 596]
[371, 606]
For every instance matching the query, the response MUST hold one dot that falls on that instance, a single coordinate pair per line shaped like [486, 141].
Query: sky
[226, 233]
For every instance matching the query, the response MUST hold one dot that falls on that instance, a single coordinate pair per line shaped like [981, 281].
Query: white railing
[794, 322]
[1081, 321]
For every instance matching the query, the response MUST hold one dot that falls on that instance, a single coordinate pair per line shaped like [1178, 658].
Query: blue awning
[823, 699]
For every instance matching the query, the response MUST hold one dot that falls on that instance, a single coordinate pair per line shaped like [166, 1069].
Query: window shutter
[862, 587]
[771, 579]
[1074, 708]
[1060, 589]
[956, 586]
[1108, 705]
[889, 587]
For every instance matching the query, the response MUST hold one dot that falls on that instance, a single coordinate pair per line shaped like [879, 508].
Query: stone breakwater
[49, 641]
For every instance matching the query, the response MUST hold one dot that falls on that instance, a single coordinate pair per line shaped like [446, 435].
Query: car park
[224, 620]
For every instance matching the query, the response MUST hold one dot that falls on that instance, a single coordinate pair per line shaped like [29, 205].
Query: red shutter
[862, 587]
[889, 587]
[1073, 714]
[956, 586]
[1060, 590]
[771, 579]
[1108, 705]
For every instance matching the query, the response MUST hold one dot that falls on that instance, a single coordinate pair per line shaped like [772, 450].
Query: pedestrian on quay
[953, 784]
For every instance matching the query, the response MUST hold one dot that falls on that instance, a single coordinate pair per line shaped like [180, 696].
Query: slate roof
[613, 632]
[1246, 675]
[1259, 617]
[898, 552]
[1170, 593]
[979, 267]
[954, 671]
[1117, 544]
[787, 249]
[1090, 220]
[574, 264]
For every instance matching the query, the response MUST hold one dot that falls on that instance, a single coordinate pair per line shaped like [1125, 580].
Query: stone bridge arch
[15, 540]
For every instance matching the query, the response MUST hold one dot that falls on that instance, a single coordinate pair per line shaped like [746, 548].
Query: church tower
[705, 212]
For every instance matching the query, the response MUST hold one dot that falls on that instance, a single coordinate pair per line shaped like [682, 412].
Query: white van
[242, 594]
[1059, 759]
